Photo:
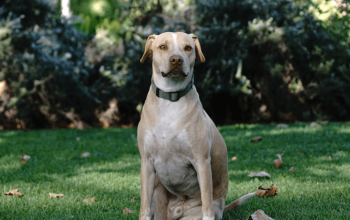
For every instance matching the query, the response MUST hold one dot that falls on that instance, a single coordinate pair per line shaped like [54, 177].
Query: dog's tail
[239, 202]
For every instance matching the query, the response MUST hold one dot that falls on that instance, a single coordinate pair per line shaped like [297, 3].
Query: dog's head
[174, 54]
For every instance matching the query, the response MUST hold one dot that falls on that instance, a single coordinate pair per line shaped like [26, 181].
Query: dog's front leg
[147, 187]
[204, 176]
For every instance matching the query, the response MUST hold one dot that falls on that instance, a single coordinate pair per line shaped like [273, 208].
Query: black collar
[172, 96]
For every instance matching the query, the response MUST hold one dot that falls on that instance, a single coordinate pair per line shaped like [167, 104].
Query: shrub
[48, 78]
[286, 53]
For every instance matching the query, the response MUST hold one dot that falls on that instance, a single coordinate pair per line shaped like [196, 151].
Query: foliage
[286, 53]
[318, 189]
[49, 80]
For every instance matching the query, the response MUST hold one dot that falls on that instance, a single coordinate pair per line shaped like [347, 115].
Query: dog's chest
[168, 145]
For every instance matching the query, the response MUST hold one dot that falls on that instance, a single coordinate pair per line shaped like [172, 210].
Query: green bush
[294, 65]
[49, 81]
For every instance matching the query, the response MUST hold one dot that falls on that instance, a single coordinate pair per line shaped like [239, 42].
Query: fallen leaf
[13, 192]
[133, 199]
[291, 169]
[259, 215]
[127, 211]
[87, 202]
[24, 158]
[315, 125]
[278, 162]
[136, 145]
[234, 158]
[85, 154]
[53, 195]
[282, 126]
[256, 139]
[260, 174]
[300, 153]
[344, 124]
[330, 158]
[267, 191]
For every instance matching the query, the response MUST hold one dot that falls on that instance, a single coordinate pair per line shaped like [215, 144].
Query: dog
[184, 171]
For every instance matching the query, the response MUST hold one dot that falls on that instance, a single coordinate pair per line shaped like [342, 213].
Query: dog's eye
[162, 47]
[188, 48]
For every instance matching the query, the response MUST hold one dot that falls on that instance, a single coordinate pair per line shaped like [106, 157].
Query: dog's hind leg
[160, 200]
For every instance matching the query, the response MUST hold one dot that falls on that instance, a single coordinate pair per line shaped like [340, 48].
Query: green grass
[112, 172]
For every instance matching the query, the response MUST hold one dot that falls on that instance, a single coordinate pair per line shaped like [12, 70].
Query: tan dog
[184, 157]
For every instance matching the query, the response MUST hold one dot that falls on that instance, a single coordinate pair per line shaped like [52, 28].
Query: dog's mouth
[176, 72]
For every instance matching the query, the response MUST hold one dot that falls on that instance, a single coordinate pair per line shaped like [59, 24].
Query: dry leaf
[267, 191]
[282, 126]
[330, 158]
[260, 174]
[85, 154]
[53, 195]
[315, 125]
[136, 145]
[300, 153]
[234, 158]
[24, 158]
[259, 215]
[256, 139]
[127, 211]
[291, 169]
[278, 162]
[344, 124]
[133, 199]
[13, 192]
[87, 202]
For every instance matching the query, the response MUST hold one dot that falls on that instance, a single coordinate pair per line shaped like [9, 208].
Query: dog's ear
[199, 54]
[148, 47]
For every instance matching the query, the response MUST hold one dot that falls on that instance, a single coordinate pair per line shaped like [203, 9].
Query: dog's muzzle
[176, 69]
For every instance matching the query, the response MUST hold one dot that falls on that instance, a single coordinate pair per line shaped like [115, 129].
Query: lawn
[318, 189]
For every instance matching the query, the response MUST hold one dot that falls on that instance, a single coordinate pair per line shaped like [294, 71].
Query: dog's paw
[208, 218]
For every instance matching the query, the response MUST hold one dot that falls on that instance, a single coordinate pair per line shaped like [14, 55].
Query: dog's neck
[170, 84]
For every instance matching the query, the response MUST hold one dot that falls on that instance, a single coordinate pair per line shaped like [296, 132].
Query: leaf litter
[127, 211]
[87, 202]
[260, 174]
[267, 191]
[259, 215]
[13, 192]
[278, 162]
[256, 139]
[53, 195]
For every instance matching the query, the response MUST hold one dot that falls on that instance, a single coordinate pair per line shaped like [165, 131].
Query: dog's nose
[175, 60]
